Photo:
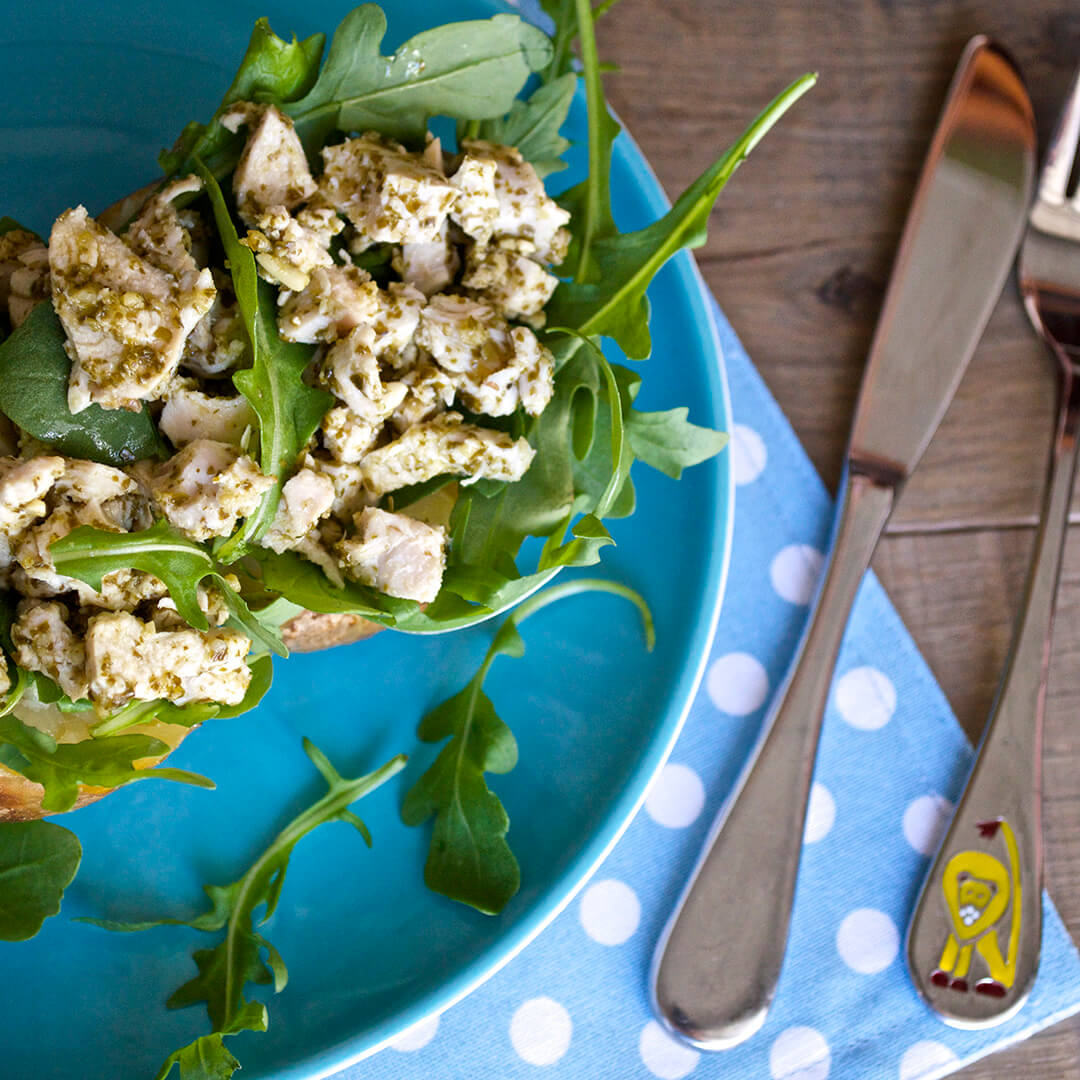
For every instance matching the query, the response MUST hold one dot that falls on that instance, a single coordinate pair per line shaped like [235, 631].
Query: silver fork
[973, 945]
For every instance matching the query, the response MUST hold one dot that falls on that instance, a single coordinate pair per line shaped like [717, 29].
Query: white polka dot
[540, 1031]
[418, 1036]
[610, 912]
[926, 1059]
[795, 571]
[866, 698]
[665, 1056]
[676, 797]
[799, 1053]
[868, 941]
[925, 822]
[737, 683]
[748, 454]
[820, 814]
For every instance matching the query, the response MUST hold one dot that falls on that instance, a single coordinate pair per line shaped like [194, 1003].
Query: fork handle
[719, 958]
[974, 939]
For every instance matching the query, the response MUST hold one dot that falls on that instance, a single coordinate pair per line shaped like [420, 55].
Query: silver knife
[719, 959]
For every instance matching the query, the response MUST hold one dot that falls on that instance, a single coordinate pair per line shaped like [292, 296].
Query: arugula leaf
[61, 767]
[590, 201]
[288, 409]
[238, 959]
[668, 442]
[292, 576]
[207, 1058]
[610, 298]
[272, 70]
[38, 861]
[464, 70]
[34, 370]
[533, 125]
[89, 554]
[469, 859]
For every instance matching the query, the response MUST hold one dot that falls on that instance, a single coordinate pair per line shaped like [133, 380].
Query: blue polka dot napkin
[574, 1004]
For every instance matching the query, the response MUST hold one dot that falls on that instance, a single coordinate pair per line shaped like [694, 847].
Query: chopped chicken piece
[44, 642]
[306, 499]
[29, 283]
[5, 678]
[218, 343]
[211, 603]
[158, 235]
[430, 391]
[526, 211]
[348, 481]
[462, 334]
[477, 207]
[515, 285]
[273, 169]
[207, 487]
[190, 414]
[445, 445]
[346, 436]
[128, 659]
[24, 482]
[84, 493]
[126, 320]
[336, 299]
[351, 371]
[13, 245]
[429, 266]
[395, 554]
[287, 249]
[494, 367]
[389, 195]
[395, 323]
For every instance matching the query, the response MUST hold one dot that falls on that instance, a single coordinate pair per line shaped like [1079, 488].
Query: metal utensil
[973, 945]
[719, 959]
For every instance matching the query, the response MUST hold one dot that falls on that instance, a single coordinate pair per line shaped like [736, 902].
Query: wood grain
[799, 254]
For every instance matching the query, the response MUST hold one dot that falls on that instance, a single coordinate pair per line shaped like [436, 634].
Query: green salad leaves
[183, 565]
[61, 767]
[289, 411]
[38, 860]
[34, 371]
[469, 859]
[244, 955]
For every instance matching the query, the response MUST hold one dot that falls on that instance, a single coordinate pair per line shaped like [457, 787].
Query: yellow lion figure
[977, 890]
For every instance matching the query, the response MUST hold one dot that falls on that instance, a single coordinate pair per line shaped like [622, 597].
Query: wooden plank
[801, 245]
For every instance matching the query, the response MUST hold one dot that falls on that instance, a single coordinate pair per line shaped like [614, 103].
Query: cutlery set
[974, 939]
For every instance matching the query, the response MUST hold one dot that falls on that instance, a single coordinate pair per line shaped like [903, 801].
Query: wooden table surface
[798, 255]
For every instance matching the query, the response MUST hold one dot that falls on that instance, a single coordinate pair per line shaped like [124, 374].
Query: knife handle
[974, 940]
[719, 958]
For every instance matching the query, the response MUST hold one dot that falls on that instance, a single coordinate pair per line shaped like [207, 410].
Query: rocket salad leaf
[469, 859]
[288, 409]
[464, 70]
[533, 125]
[614, 269]
[272, 70]
[89, 554]
[38, 860]
[61, 767]
[244, 955]
[34, 372]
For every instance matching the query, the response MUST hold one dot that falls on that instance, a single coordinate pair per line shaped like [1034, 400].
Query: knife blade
[719, 958]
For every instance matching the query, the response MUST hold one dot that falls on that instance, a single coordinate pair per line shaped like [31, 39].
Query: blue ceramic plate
[92, 92]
